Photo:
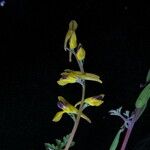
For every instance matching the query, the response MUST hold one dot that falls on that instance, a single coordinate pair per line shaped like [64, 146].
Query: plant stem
[127, 135]
[72, 134]
[137, 113]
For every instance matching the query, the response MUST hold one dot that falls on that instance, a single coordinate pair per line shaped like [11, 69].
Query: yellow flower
[67, 108]
[71, 37]
[93, 101]
[70, 76]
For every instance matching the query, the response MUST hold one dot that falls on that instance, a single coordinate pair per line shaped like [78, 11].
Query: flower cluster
[71, 76]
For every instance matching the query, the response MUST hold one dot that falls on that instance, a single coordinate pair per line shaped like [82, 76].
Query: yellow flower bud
[58, 116]
[81, 54]
[94, 101]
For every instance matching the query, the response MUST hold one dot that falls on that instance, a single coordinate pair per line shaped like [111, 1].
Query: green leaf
[62, 145]
[143, 97]
[116, 140]
[49, 146]
[148, 76]
[58, 142]
[57, 148]
[65, 138]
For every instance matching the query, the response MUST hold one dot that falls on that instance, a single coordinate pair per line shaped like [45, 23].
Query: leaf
[148, 76]
[119, 109]
[126, 113]
[62, 145]
[58, 142]
[143, 97]
[112, 112]
[116, 112]
[49, 146]
[116, 140]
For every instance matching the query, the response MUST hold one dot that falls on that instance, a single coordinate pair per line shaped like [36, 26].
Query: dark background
[115, 35]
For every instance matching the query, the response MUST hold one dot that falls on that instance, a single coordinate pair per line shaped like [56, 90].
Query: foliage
[129, 120]
[60, 144]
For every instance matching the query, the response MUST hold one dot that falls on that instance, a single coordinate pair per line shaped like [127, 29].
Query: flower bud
[81, 54]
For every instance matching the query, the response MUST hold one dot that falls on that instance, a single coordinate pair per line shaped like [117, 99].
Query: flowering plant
[69, 77]
[75, 111]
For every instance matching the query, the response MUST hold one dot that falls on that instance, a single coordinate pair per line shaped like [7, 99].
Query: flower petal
[85, 76]
[73, 41]
[72, 27]
[58, 116]
[68, 79]
[93, 101]
[68, 35]
[91, 77]
[70, 109]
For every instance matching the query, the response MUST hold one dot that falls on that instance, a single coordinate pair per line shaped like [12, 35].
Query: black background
[115, 35]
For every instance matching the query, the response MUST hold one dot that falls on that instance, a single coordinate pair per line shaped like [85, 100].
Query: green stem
[72, 134]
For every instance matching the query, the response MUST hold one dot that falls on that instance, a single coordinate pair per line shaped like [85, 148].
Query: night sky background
[116, 37]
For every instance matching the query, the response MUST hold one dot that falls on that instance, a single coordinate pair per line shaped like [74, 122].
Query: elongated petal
[91, 77]
[63, 100]
[68, 35]
[69, 79]
[85, 76]
[71, 109]
[80, 54]
[58, 116]
[68, 107]
[73, 41]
